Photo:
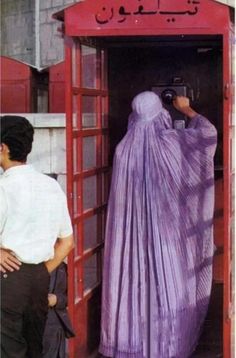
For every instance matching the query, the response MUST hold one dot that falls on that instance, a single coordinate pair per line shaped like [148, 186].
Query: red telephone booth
[23, 88]
[16, 87]
[115, 50]
[57, 88]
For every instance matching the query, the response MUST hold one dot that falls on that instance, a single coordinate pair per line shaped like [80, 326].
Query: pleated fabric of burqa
[159, 236]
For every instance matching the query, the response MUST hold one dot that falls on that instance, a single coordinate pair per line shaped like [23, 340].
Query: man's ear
[4, 148]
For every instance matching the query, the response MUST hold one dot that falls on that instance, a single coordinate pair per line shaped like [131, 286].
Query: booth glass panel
[89, 152]
[105, 187]
[89, 193]
[89, 66]
[105, 150]
[90, 272]
[76, 235]
[103, 70]
[76, 113]
[104, 113]
[76, 64]
[75, 198]
[89, 111]
[90, 232]
[76, 154]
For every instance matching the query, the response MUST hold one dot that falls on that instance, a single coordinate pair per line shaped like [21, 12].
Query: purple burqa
[159, 236]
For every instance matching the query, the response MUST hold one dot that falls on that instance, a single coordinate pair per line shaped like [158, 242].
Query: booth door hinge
[230, 312]
[226, 91]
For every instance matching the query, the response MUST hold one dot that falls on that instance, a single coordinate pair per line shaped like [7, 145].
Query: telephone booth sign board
[147, 17]
[104, 41]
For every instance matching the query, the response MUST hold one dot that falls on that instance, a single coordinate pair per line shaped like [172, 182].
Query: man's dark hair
[17, 133]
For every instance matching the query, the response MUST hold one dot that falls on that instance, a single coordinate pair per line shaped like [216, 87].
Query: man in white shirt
[35, 236]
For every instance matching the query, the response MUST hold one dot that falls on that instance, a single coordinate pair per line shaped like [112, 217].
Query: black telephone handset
[168, 95]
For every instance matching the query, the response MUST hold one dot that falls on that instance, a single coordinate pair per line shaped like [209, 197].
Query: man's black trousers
[24, 306]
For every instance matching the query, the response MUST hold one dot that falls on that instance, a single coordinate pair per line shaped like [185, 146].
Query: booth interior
[187, 65]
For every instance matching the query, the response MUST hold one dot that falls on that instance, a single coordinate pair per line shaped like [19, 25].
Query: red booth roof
[13, 70]
[144, 17]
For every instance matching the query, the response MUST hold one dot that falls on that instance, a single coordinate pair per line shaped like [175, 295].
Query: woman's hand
[182, 104]
[8, 261]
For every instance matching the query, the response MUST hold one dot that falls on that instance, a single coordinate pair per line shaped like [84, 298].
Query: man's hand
[8, 261]
[61, 250]
[52, 300]
[181, 103]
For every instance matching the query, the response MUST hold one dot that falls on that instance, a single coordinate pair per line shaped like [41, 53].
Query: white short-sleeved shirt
[33, 214]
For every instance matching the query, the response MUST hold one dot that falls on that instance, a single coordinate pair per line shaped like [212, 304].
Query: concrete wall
[51, 42]
[17, 29]
[49, 147]
[227, 2]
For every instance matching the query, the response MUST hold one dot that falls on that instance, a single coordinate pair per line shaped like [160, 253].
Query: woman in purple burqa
[159, 234]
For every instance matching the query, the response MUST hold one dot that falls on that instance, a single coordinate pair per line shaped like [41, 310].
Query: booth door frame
[76, 175]
[227, 173]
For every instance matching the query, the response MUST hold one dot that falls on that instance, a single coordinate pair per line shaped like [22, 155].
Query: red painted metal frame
[227, 130]
[57, 88]
[99, 162]
[69, 159]
[80, 238]
[213, 19]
